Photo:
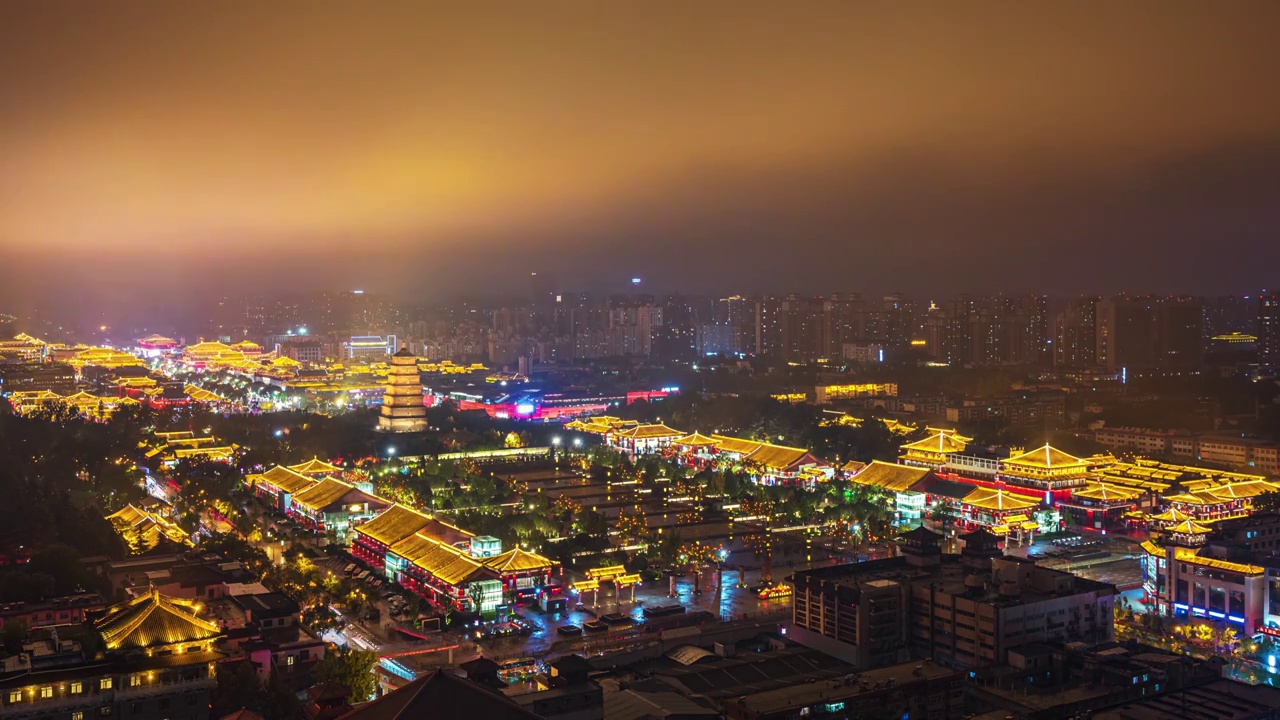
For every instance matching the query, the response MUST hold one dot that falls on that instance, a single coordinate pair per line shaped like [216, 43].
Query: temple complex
[402, 407]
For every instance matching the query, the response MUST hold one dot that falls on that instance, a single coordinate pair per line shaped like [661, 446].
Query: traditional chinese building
[1221, 502]
[441, 562]
[1048, 470]
[158, 663]
[932, 451]
[280, 484]
[642, 439]
[772, 464]
[333, 505]
[402, 405]
[1187, 575]
[372, 540]
[903, 483]
[143, 530]
[1101, 505]
[315, 467]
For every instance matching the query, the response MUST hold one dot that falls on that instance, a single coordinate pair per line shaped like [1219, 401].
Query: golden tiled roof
[1190, 527]
[1172, 515]
[285, 479]
[445, 562]
[737, 446]
[940, 443]
[1046, 458]
[1107, 492]
[129, 515]
[949, 431]
[517, 560]
[1191, 557]
[646, 432]
[695, 439]
[199, 394]
[153, 619]
[890, 476]
[315, 466]
[778, 457]
[394, 525]
[1243, 490]
[322, 494]
[997, 499]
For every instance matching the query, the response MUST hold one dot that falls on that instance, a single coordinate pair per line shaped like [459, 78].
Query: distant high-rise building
[1075, 334]
[1228, 314]
[1149, 332]
[840, 315]
[802, 339]
[677, 338]
[768, 326]
[1268, 331]
[1180, 333]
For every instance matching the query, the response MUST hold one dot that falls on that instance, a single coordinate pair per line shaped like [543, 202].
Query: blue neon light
[1236, 618]
[1217, 615]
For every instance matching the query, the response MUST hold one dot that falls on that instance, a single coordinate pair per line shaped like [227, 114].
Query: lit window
[289, 661]
[104, 684]
[77, 715]
[46, 692]
[135, 680]
[77, 688]
[15, 696]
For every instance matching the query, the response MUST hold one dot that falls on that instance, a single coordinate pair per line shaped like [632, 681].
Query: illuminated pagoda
[1047, 469]
[932, 451]
[402, 408]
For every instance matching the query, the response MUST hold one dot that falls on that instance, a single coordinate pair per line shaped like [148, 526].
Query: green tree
[15, 632]
[353, 670]
[237, 687]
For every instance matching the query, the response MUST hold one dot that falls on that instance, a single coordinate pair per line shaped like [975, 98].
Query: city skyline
[918, 149]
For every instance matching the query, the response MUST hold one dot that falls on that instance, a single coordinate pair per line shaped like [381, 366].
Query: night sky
[429, 147]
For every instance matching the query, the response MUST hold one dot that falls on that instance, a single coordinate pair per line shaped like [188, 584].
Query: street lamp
[391, 451]
[556, 441]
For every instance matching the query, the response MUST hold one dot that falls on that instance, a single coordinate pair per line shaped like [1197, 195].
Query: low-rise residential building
[967, 610]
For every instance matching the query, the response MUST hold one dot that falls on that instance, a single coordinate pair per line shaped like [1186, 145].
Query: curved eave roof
[153, 619]
[994, 499]
[1046, 458]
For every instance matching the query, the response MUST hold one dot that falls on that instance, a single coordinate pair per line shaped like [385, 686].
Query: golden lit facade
[1047, 469]
[932, 451]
